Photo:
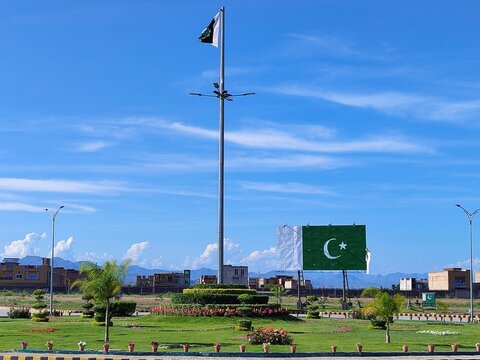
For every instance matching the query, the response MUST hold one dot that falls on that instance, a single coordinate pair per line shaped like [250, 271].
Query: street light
[470, 216]
[54, 216]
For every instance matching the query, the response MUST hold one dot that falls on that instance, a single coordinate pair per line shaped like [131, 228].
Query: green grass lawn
[202, 332]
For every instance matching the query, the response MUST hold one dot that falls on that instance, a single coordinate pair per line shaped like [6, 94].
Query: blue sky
[365, 112]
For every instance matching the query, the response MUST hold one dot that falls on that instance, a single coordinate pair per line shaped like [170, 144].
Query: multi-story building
[287, 281]
[449, 279]
[165, 280]
[232, 274]
[13, 275]
[413, 284]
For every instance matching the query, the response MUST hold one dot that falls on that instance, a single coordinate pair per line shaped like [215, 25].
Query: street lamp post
[470, 216]
[54, 216]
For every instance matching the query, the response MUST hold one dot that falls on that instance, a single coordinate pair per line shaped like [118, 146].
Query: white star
[343, 246]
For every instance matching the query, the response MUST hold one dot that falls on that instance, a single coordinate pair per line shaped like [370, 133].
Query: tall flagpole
[208, 36]
[221, 141]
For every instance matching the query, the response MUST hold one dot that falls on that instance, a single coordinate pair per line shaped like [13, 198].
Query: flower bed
[441, 333]
[269, 335]
[260, 311]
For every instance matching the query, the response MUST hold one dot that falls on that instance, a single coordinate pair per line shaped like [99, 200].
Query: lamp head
[216, 86]
[457, 205]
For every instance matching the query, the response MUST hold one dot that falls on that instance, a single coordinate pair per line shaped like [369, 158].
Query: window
[459, 282]
[32, 276]
[236, 271]
[242, 271]
[19, 276]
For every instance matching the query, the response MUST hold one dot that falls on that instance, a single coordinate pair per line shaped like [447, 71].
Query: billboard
[330, 247]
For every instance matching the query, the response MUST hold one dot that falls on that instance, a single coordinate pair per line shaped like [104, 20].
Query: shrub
[19, 313]
[313, 314]
[269, 335]
[263, 311]
[378, 324]
[201, 298]
[219, 286]
[117, 308]
[244, 325]
[220, 291]
[245, 298]
[244, 310]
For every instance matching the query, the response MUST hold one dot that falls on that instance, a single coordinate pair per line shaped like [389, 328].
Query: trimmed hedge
[218, 286]
[221, 291]
[204, 299]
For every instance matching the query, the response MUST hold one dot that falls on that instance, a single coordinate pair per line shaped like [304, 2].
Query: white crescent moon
[326, 252]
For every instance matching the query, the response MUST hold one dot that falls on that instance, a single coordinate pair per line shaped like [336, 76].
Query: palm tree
[103, 283]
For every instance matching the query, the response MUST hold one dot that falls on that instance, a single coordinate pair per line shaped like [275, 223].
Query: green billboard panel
[334, 247]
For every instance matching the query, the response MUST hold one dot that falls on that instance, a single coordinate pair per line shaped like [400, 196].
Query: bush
[117, 308]
[195, 310]
[244, 325]
[244, 310]
[19, 313]
[220, 291]
[269, 335]
[246, 298]
[378, 324]
[313, 314]
[201, 298]
[219, 286]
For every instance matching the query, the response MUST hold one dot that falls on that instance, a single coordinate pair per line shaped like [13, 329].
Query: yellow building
[449, 279]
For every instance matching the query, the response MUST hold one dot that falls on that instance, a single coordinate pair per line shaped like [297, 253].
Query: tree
[103, 284]
[278, 292]
[385, 307]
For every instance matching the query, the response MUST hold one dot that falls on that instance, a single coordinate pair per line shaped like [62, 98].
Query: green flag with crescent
[334, 247]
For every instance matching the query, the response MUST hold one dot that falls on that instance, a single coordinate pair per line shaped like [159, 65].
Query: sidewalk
[233, 356]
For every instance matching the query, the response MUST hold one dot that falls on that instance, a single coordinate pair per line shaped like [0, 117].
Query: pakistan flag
[332, 247]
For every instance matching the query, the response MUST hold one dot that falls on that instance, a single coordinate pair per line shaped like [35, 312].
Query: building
[13, 275]
[413, 284]
[450, 279]
[164, 281]
[232, 274]
[287, 281]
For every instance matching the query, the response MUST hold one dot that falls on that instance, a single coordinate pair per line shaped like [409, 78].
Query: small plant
[49, 343]
[82, 343]
[154, 343]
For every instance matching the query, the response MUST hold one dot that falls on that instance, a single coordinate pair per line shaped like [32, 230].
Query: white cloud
[60, 186]
[275, 139]
[92, 146]
[262, 259]
[209, 254]
[157, 262]
[293, 188]
[465, 264]
[94, 257]
[24, 247]
[63, 247]
[135, 251]
[17, 206]
[395, 103]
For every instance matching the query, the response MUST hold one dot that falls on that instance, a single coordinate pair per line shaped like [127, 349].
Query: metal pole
[470, 218]
[51, 266]
[471, 269]
[54, 216]
[221, 141]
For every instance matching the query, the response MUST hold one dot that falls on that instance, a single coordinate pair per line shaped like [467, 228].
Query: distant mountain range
[319, 279]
